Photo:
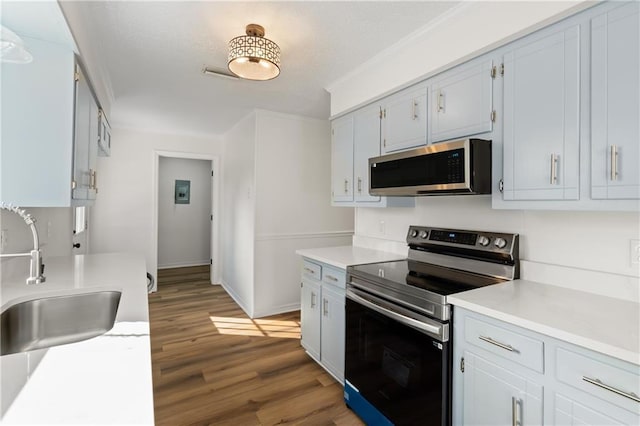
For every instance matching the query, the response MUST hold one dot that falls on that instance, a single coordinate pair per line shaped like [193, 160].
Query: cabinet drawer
[507, 344]
[311, 270]
[334, 276]
[616, 385]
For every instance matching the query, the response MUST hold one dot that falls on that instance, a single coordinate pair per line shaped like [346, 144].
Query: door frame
[215, 273]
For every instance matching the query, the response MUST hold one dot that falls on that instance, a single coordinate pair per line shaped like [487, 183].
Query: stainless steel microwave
[446, 168]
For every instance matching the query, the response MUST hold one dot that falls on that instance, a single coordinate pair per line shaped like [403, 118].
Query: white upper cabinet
[404, 119]
[37, 127]
[461, 101]
[366, 144]
[542, 117]
[342, 159]
[86, 141]
[355, 138]
[615, 103]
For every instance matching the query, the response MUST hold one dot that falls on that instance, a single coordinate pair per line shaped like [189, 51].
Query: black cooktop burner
[424, 276]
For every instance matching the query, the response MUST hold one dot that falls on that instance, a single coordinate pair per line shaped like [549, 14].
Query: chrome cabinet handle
[414, 114]
[439, 103]
[313, 300]
[359, 185]
[331, 277]
[346, 184]
[498, 344]
[515, 417]
[325, 307]
[309, 270]
[92, 179]
[632, 396]
[95, 180]
[554, 169]
[614, 162]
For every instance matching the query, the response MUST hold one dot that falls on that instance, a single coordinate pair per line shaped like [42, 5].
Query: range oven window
[399, 370]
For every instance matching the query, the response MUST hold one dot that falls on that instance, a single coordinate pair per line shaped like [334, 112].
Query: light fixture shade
[12, 48]
[254, 57]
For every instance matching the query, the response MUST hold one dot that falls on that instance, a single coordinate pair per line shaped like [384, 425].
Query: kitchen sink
[52, 321]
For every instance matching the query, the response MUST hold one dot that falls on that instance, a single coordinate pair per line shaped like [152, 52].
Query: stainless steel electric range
[398, 322]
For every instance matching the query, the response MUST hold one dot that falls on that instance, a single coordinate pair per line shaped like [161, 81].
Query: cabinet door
[461, 102]
[36, 135]
[366, 144]
[310, 317]
[332, 331]
[404, 120]
[342, 159]
[495, 396]
[541, 118]
[567, 412]
[85, 140]
[615, 103]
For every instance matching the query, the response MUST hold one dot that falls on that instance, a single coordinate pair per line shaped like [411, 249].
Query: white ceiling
[152, 54]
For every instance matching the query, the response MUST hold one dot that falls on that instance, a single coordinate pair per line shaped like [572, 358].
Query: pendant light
[254, 57]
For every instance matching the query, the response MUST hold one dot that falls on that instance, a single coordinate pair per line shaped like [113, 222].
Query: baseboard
[235, 297]
[184, 265]
[278, 310]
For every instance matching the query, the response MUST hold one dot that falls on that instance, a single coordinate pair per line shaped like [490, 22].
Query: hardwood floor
[212, 365]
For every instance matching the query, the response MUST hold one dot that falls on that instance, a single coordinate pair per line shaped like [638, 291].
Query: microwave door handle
[418, 325]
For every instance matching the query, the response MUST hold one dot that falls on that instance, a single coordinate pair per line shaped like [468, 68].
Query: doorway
[185, 219]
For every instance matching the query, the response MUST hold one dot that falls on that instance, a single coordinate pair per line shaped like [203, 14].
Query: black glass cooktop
[423, 276]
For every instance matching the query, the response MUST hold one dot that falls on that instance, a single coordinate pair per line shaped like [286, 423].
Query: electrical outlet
[49, 226]
[4, 238]
[634, 252]
[382, 227]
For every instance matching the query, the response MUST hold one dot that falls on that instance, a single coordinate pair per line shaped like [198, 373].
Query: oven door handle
[439, 331]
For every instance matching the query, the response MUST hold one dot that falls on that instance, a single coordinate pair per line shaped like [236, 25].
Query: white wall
[237, 211]
[465, 30]
[122, 217]
[293, 205]
[184, 230]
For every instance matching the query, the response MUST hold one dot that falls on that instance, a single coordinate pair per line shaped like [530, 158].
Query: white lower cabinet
[322, 315]
[494, 395]
[508, 375]
[310, 317]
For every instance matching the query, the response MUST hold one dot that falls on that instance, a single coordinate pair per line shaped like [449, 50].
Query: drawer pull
[309, 270]
[331, 277]
[598, 383]
[498, 344]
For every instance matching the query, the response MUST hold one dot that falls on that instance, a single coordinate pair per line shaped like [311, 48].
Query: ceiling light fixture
[254, 57]
[12, 48]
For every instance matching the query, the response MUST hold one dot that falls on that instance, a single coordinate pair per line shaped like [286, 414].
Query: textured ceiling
[152, 54]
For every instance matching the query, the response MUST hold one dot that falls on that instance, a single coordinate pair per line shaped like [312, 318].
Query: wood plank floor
[212, 365]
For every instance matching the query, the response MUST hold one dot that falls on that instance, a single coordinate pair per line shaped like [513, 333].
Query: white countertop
[344, 256]
[603, 324]
[103, 380]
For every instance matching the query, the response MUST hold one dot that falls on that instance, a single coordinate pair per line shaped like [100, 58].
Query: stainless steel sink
[52, 321]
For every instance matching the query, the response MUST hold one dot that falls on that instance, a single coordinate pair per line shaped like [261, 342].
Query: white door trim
[215, 206]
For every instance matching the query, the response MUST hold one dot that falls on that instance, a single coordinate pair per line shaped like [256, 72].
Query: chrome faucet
[36, 268]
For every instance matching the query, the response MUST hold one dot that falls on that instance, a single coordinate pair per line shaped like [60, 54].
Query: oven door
[393, 365]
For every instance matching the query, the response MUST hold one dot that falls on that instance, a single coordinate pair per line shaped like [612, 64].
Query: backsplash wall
[596, 241]
[54, 227]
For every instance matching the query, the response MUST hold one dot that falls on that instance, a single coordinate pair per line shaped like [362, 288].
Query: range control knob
[413, 233]
[500, 243]
[424, 234]
[483, 240]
